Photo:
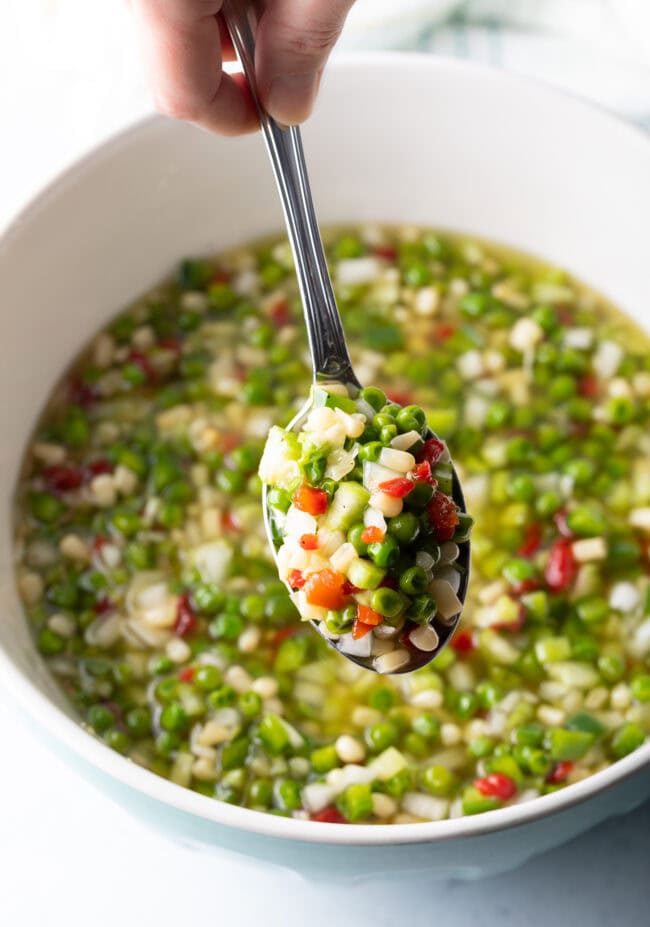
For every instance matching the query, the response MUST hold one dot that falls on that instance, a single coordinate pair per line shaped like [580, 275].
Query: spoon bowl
[327, 344]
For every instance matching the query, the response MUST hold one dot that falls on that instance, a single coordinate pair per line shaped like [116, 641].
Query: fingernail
[291, 96]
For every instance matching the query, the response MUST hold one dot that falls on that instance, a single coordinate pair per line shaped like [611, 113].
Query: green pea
[138, 721]
[640, 686]
[50, 643]
[250, 704]
[273, 734]
[252, 607]
[438, 780]
[173, 717]
[480, 746]
[208, 599]
[348, 246]
[100, 718]
[521, 488]
[324, 759]
[529, 735]
[547, 503]
[380, 736]
[563, 387]
[127, 523]
[592, 610]
[338, 622]
[230, 481]
[404, 527]
[167, 742]
[227, 626]
[140, 556]
[354, 537]
[170, 515]
[385, 552]
[291, 655]
[160, 664]
[587, 521]
[116, 740]
[422, 609]
[414, 581]
[381, 699]
[279, 499]
[518, 570]
[387, 602]
[207, 678]
[355, 803]
[426, 725]
[581, 471]
[374, 397]
[260, 793]
[371, 451]
[223, 697]
[45, 507]
[279, 608]
[620, 410]
[498, 414]
[611, 666]
[166, 689]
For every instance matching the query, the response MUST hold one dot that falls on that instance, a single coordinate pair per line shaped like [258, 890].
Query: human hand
[185, 41]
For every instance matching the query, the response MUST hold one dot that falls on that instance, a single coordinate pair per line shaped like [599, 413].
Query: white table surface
[68, 855]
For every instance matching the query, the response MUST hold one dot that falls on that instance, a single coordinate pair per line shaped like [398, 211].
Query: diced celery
[569, 745]
[347, 506]
[476, 803]
[364, 574]
[552, 649]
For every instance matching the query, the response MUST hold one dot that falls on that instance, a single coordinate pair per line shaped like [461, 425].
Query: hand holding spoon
[374, 545]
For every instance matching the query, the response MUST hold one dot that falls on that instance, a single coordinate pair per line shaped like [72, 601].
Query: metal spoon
[329, 352]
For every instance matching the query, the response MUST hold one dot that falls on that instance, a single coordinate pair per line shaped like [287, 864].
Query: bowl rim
[74, 736]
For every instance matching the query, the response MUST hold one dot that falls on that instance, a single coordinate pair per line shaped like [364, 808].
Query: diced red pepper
[359, 629]
[432, 451]
[512, 626]
[309, 542]
[443, 515]
[496, 785]
[389, 582]
[588, 385]
[443, 331]
[142, 361]
[296, 579]
[186, 674]
[83, 394]
[325, 589]
[170, 344]
[312, 501]
[561, 523]
[368, 615]
[220, 276]
[280, 313]
[385, 252]
[284, 633]
[561, 566]
[532, 540]
[524, 586]
[186, 621]
[401, 397]
[462, 641]
[422, 473]
[229, 442]
[99, 542]
[560, 772]
[229, 522]
[397, 488]
[329, 815]
[565, 315]
[372, 535]
[349, 588]
[62, 477]
[99, 467]
[103, 605]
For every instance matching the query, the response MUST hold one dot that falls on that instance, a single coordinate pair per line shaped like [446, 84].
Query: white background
[69, 856]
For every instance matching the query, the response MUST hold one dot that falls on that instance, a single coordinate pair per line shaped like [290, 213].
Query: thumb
[294, 39]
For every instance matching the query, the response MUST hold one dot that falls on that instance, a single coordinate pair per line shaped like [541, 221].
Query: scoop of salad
[367, 534]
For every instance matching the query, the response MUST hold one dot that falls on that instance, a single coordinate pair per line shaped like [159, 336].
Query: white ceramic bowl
[419, 140]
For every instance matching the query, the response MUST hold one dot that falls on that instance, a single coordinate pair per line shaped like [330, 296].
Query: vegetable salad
[148, 582]
[367, 531]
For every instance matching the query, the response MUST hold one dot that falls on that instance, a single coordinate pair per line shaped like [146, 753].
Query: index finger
[182, 42]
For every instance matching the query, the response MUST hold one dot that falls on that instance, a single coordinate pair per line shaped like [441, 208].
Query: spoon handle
[329, 351]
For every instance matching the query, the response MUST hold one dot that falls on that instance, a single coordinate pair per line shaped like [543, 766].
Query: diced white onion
[356, 648]
[425, 806]
[404, 441]
[373, 518]
[624, 597]
[374, 474]
[355, 271]
[298, 523]
[390, 506]
[447, 602]
[391, 662]
[396, 460]
[343, 557]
